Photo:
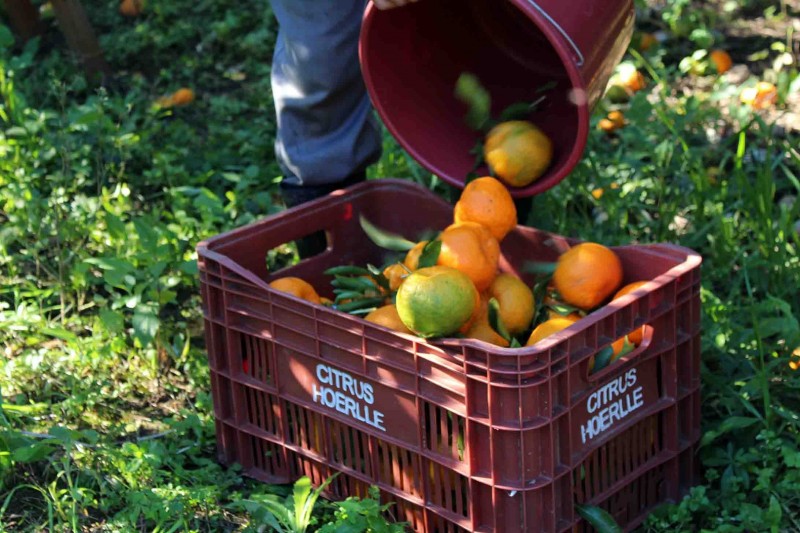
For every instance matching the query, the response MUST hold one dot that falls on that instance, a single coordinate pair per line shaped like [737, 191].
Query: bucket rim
[576, 79]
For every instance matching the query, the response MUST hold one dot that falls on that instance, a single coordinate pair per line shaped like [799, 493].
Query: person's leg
[327, 134]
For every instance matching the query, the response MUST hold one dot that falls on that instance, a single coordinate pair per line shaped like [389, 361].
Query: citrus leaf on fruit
[495, 322]
[430, 254]
[539, 267]
[602, 359]
[520, 110]
[627, 347]
[362, 305]
[347, 295]
[348, 270]
[355, 284]
[470, 91]
[598, 519]
[383, 238]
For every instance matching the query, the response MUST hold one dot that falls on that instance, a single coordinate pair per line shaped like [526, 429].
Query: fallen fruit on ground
[646, 41]
[763, 95]
[296, 287]
[131, 8]
[436, 301]
[587, 274]
[472, 249]
[182, 96]
[721, 59]
[517, 152]
[487, 201]
[612, 122]
[629, 77]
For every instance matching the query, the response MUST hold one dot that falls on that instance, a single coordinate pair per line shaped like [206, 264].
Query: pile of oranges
[451, 286]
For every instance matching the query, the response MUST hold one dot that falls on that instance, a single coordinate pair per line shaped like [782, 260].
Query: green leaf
[598, 519]
[116, 228]
[729, 424]
[495, 322]
[355, 284]
[430, 254]
[774, 513]
[115, 270]
[6, 37]
[301, 494]
[348, 270]
[470, 91]
[362, 304]
[346, 295]
[33, 452]
[385, 239]
[112, 320]
[602, 359]
[59, 333]
[63, 434]
[147, 235]
[145, 324]
[539, 267]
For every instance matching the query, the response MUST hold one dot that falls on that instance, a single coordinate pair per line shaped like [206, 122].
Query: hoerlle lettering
[611, 390]
[344, 393]
[612, 402]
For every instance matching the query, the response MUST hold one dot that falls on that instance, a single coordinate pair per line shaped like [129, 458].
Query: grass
[106, 420]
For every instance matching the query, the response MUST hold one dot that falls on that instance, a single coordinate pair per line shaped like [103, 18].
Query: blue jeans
[326, 127]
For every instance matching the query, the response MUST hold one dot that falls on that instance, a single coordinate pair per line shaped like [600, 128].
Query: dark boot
[294, 195]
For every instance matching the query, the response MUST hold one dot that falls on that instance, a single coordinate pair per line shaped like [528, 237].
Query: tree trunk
[24, 18]
[80, 37]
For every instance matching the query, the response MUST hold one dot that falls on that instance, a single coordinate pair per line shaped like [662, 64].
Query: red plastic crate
[459, 434]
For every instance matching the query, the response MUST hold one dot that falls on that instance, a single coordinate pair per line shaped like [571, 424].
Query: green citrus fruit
[436, 301]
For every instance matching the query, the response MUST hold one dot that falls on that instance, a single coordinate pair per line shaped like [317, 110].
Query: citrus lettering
[612, 402]
[344, 393]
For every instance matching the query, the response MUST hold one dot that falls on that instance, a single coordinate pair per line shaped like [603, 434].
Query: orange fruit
[630, 78]
[182, 96]
[634, 337]
[551, 313]
[516, 302]
[646, 41]
[296, 287]
[587, 274]
[763, 95]
[387, 317]
[617, 118]
[472, 249]
[487, 201]
[616, 348]
[131, 8]
[721, 60]
[480, 328]
[396, 274]
[517, 152]
[548, 327]
[412, 256]
[436, 301]
[606, 125]
[614, 121]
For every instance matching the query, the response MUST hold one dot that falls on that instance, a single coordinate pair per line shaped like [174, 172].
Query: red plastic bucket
[412, 56]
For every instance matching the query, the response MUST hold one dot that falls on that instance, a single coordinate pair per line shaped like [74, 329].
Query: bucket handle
[561, 30]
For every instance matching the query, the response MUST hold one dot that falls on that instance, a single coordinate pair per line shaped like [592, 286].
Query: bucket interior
[412, 57]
